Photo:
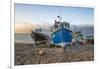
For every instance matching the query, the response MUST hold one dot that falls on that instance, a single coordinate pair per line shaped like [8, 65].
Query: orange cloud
[28, 27]
[24, 27]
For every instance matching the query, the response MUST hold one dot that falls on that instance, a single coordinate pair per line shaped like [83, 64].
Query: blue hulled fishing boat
[61, 35]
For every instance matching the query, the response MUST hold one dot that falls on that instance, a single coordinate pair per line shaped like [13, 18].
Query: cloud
[24, 27]
[28, 27]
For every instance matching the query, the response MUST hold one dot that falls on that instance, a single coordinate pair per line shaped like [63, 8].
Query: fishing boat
[39, 35]
[61, 33]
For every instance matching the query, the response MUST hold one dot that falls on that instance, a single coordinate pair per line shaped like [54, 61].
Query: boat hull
[62, 37]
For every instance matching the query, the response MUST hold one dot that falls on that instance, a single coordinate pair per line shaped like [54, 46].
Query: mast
[59, 14]
[60, 18]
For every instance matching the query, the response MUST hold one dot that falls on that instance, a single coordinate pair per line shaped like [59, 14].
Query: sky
[46, 14]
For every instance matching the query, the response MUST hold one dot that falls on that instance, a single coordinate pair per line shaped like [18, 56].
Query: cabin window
[56, 26]
[66, 25]
[61, 25]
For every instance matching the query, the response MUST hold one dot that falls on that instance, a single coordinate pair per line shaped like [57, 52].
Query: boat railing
[60, 25]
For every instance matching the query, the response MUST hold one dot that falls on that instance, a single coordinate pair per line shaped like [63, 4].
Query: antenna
[59, 13]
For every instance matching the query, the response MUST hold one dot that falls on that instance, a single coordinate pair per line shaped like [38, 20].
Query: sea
[23, 38]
